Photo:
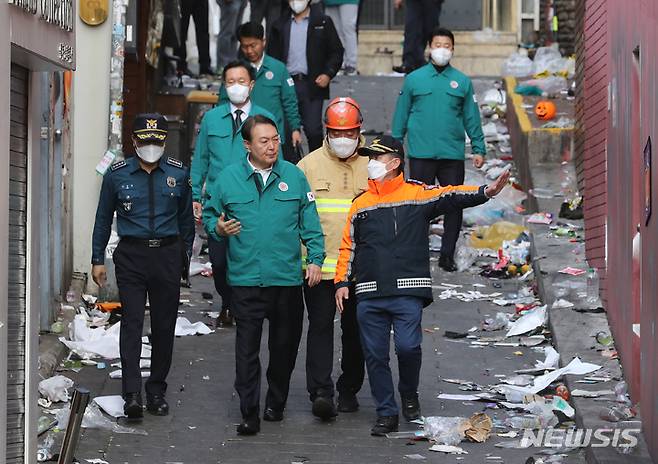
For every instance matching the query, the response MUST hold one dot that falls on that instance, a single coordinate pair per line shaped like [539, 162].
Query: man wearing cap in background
[264, 210]
[153, 201]
[336, 175]
[274, 89]
[385, 251]
[436, 105]
[218, 145]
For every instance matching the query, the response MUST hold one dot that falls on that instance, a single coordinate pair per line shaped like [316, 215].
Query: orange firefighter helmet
[343, 113]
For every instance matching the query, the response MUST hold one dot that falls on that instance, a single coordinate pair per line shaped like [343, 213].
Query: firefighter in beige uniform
[336, 174]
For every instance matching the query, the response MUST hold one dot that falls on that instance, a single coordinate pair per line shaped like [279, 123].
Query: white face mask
[297, 6]
[238, 93]
[441, 56]
[150, 153]
[376, 169]
[343, 147]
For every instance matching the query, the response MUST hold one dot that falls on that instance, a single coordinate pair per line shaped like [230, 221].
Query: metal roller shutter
[17, 264]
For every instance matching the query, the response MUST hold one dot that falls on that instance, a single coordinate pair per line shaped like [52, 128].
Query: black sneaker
[249, 426]
[324, 408]
[347, 403]
[384, 425]
[410, 408]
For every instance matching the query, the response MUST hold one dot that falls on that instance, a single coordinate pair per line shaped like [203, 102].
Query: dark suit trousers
[155, 272]
[284, 309]
[421, 17]
[197, 9]
[447, 172]
[217, 253]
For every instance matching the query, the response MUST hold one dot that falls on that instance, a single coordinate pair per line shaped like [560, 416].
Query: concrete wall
[91, 98]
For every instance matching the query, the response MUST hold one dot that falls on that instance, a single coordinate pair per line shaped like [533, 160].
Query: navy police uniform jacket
[148, 206]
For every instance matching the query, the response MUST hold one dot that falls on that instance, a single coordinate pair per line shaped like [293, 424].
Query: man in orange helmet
[336, 174]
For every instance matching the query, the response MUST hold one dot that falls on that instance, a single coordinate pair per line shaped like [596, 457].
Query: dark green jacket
[433, 111]
[276, 219]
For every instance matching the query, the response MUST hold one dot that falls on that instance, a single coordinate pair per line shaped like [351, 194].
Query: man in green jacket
[219, 145]
[274, 89]
[264, 209]
[436, 105]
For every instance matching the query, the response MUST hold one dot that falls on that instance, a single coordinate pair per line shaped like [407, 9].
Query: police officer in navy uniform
[153, 201]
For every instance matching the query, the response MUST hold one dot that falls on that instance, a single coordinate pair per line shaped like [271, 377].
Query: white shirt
[264, 173]
[259, 63]
[246, 109]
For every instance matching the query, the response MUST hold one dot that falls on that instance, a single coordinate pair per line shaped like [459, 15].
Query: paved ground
[205, 410]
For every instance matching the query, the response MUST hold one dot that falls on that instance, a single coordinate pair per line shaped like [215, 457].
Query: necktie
[237, 121]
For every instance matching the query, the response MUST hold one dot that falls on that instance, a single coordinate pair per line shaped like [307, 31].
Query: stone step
[380, 50]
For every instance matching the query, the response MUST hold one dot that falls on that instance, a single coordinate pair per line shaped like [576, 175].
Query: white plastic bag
[445, 430]
[56, 388]
[546, 58]
[94, 419]
[517, 65]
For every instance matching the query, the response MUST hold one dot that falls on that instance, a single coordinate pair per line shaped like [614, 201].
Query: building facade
[37, 46]
[617, 112]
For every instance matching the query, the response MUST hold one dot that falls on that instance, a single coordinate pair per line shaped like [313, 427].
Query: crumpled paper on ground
[480, 427]
[56, 388]
[112, 405]
[185, 327]
[90, 343]
[528, 322]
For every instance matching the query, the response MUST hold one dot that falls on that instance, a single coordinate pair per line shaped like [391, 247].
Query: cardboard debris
[480, 429]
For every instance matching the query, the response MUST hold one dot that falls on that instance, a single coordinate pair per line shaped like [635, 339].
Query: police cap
[150, 127]
[384, 145]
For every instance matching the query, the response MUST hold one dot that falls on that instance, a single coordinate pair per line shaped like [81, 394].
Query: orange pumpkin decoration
[545, 110]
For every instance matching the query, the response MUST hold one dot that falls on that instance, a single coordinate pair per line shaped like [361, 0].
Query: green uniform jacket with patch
[276, 218]
[218, 146]
[433, 110]
[275, 91]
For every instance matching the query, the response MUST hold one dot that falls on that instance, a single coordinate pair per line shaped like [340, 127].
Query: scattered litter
[90, 343]
[562, 304]
[551, 361]
[118, 375]
[56, 388]
[445, 430]
[493, 236]
[514, 444]
[510, 434]
[455, 335]
[457, 397]
[44, 403]
[540, 218]
[520, 380]
[528, 322]
[96, 461]
[415, 457]
[591, 393]
[480, 428]
[198, 268]
[448, 449]
[572, 271]
[112, 405]
[604, 338]
[617, 413]
[184, 327]
[94, 419]
[501, 321]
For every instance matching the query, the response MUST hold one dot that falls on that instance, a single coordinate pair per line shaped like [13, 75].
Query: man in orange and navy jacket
[385, 252]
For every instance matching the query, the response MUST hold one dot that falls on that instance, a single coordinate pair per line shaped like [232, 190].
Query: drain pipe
[78, 408]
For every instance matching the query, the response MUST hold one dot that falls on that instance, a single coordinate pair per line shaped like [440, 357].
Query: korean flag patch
[310, 196]
[290, 82]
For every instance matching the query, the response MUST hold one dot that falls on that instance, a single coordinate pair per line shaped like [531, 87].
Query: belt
[299, 77]
[151, 242]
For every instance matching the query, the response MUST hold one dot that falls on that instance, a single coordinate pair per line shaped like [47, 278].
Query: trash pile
[93, 340]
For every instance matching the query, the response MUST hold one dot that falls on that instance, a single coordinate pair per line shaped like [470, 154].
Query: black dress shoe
[157, 405]
[324, 408]
[225, 318]
[132, 407]
[410, 408]
[447, 264]
[402, 69]
[272, 415]
[384, 425]
[249, 426]
[347, 403]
